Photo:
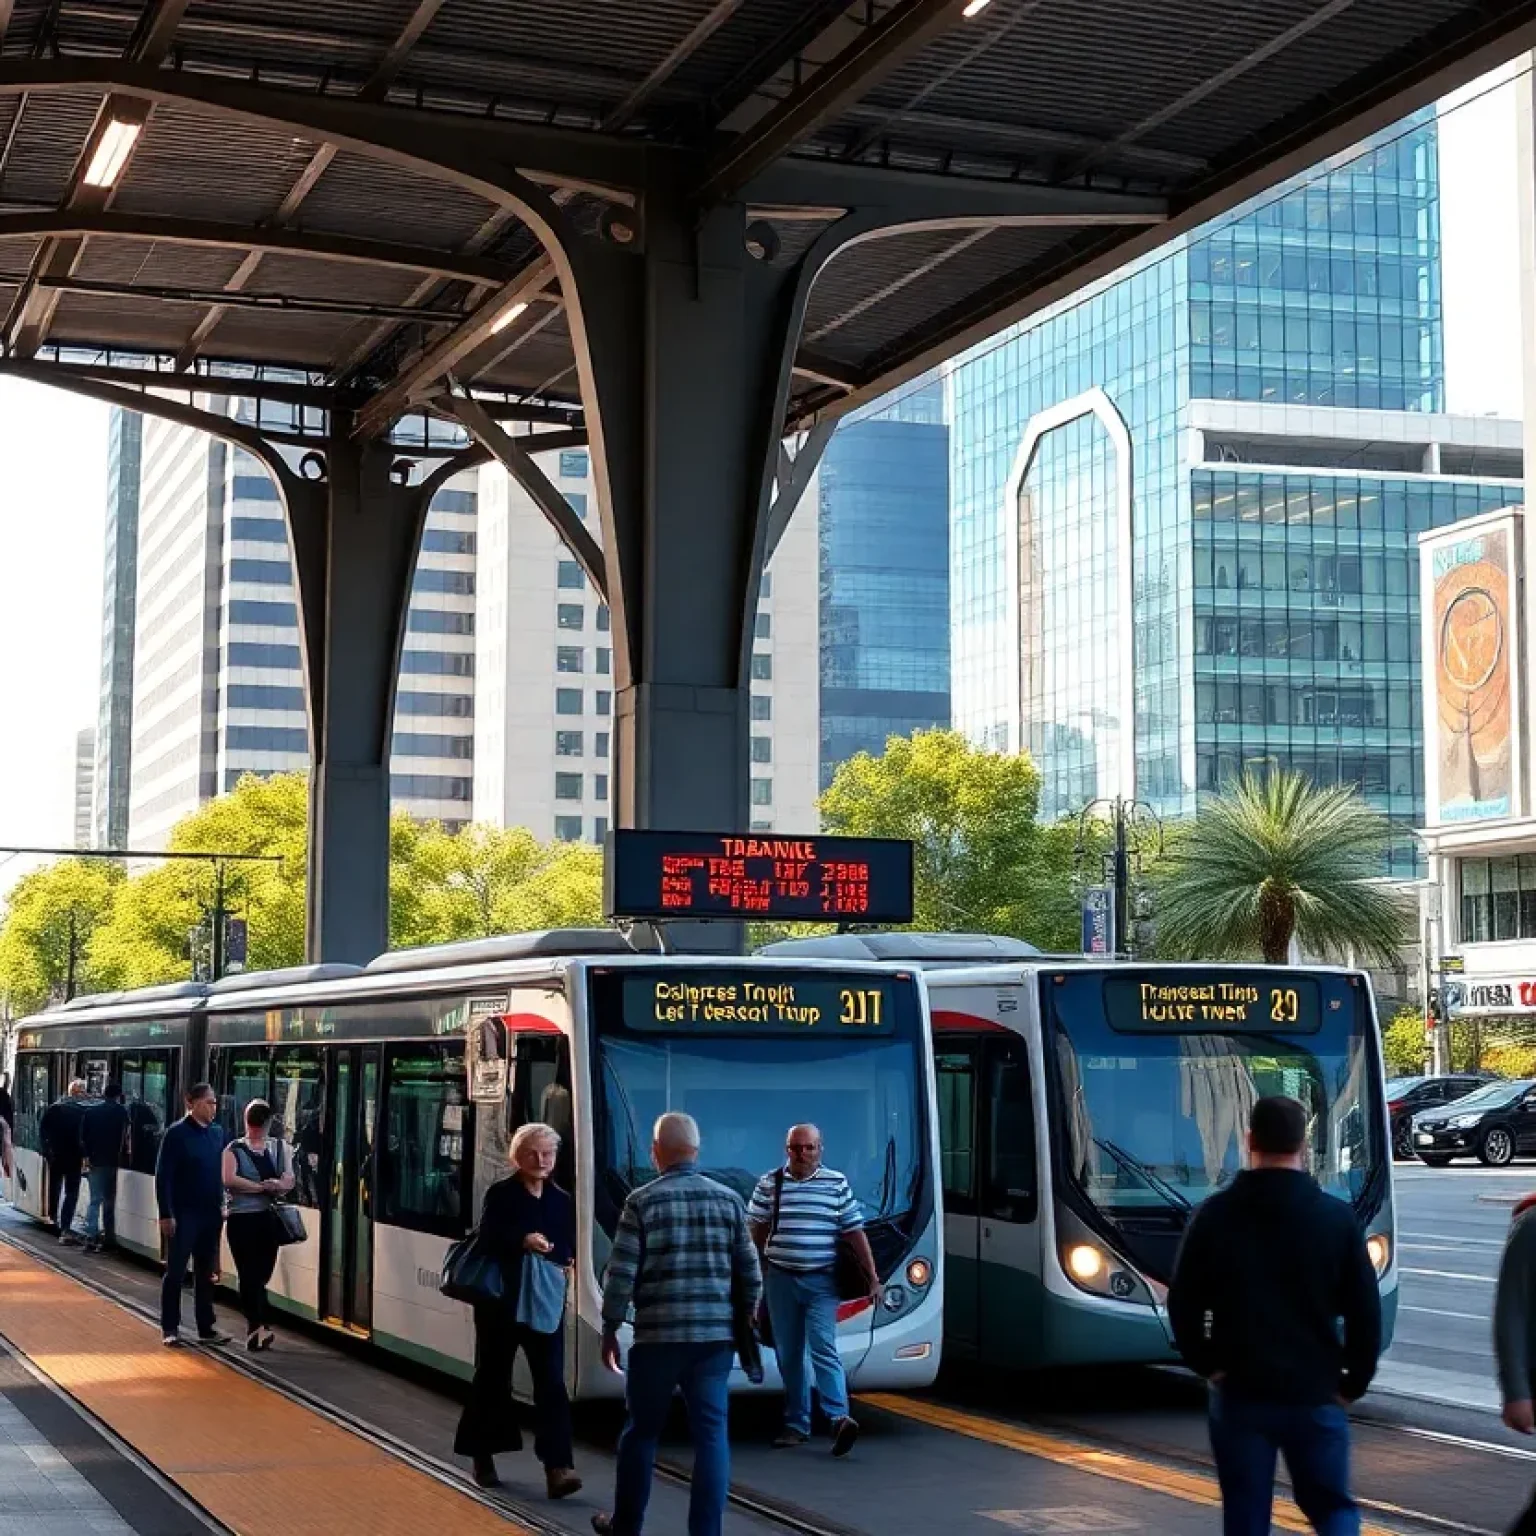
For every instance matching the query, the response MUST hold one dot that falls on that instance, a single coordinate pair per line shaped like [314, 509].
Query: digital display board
[719, 1001]
[725, 875]
[1263, 1002]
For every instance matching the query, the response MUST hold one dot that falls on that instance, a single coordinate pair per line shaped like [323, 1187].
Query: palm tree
[1275, 857]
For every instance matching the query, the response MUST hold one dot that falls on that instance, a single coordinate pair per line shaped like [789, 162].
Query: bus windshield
[1155, 1073]
[748, 1067]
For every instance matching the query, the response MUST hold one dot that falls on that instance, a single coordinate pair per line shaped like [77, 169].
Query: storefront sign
[1491, 997]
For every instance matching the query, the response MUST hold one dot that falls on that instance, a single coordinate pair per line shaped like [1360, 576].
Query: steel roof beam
[264, 238]
[7, 10]
[905, 29]
[156, 31]
[813, 22]
[278, 391]
[623, 114]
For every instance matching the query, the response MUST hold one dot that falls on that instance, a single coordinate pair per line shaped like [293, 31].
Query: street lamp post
[1125, 815]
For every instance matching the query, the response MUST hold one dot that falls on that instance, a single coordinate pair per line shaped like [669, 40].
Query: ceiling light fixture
[112, 151]
[974, 8]
[505, 320]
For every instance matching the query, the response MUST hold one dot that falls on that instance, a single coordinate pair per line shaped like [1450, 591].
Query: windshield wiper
[888, 1179]
[1154, 1181]
[631, 1152]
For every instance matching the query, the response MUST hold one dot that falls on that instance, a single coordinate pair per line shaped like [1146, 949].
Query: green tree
[983, 863]
[1277, 857]
[1404, 1044]
[51, 920]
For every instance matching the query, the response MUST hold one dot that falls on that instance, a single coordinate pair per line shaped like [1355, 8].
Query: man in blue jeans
[799, 1215]
[1269, 1268]
[189, 1187]
[684, 1262]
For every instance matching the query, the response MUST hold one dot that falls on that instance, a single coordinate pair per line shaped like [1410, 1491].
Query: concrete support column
[356, 535]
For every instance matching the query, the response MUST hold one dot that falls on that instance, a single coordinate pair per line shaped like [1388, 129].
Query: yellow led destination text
[1216, 1002]
[740, 1002]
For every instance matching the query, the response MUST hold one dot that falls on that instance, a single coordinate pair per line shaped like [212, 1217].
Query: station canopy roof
[189, 184]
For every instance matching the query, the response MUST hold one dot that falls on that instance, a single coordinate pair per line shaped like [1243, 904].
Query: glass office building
[883, 521]
[114, 724]
[1186, 503]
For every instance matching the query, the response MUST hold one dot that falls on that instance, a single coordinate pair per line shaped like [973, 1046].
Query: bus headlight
[895, 1298]
[919, 1273]
[1379, 1246]
[1084, 1262]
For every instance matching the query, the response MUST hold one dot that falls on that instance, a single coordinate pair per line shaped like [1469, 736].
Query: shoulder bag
[287, 1220]
[471, 1275]
[848, 1277]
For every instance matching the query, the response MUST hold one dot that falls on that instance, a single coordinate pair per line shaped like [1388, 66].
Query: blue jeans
[702, 1373]
[195, 1241]
[803, 1311]
[103, 1205]
[1246, 1435]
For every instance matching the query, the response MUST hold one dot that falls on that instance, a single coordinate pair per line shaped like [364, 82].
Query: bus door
[956, 1063]
[1012, 1288]
[352, 1096]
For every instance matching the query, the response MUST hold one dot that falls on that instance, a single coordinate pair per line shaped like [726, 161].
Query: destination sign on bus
[1267, 1002]
[695, 875]
[720, 1002]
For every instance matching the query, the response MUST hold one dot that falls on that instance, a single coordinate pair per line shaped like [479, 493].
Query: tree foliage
[1277, 857]
[983, 862]
[1404, 1044]
[51, 920]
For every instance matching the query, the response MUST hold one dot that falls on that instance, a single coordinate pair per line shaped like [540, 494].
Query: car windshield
[1493, 1096]
[1398, 1086]
[1155, 1115]
[746, 1090]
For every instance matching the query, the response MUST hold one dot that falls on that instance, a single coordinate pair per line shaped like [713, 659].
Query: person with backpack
[800, 1214]
[257, 1169]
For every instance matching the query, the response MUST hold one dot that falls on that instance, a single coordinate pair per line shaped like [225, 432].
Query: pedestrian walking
[7, 1125]
[257, 1168]
[1514, 1334]
[528, 1224]
[104, 1143]
[1268, 1268]
[189, 1189]
[684, 1260]
[59, 1133]
[800, 1215]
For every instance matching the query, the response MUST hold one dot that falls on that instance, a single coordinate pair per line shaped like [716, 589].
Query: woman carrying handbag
[257, 1169]
[528, 1225]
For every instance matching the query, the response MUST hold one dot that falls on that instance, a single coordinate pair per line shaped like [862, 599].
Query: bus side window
[147, 1086]
[541, 1092]
[1011, 1192]
[298, 1105]
[420, 1155]
[246, 1075]
[956, 1078]
[33, 1095]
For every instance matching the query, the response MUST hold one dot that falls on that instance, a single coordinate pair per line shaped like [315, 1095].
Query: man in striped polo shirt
[799, 1214]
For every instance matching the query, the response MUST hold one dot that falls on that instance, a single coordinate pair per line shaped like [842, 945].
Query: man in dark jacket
[1514, 1334]
[59, 1132]
[1268, 1269]
[189, 1187]
[103, 1140]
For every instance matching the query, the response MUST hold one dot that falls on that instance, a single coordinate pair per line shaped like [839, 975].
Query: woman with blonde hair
[529, 1224]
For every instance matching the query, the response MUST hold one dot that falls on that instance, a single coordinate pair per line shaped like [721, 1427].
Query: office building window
[462, 502]
[762, 666]
[457, 583]
[568, 786]
[578, 501]
[765, 586]
[461, 705]
[568, 829]
[570, 577]
[270, 573]
[568, 658]
[604, 702]
[569, 615]
[573, 464]
[258, 530]
[762, 791]
[267, 738]
[599, 828]
[600, 786]
[604, 660]
[436, 621]
[429, 786]
[762, 826]
[762, 706]
[601, 745]
[247, 653]
[762, 749]
[435, 663]
[446, 541]
[762, 626]
[273, 615]
[604, 621]
[1498, 899]
[569, 743]
[431, 744]
[567, 701]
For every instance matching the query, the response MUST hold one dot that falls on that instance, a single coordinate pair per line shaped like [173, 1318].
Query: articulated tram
[398, 1085]
[1086, 1109]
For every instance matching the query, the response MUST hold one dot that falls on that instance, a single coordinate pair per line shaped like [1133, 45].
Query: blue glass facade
[114, 724]
[1268, 615]
[884, 578]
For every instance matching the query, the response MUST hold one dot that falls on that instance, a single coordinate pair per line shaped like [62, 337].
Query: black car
[1492, 1125]
[1406, 1096]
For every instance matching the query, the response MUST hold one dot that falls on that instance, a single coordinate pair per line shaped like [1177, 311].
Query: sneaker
[268, 1339]
[844, 1432]
[172, 1341]
[253, 1341]
[603, 1525]
[218, 1337]
[787, 1439]
[561, 1482]
[68, 1240]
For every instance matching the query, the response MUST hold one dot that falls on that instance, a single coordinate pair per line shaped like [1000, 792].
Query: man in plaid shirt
[684, 1260]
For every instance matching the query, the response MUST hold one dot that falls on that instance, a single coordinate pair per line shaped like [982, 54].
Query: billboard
[1469, 594]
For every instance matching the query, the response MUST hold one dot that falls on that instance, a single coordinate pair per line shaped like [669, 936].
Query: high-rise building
[881, 500]
[218, 687]
[1186, 502]
[85, 782]
[544, 696]
[114, 723]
